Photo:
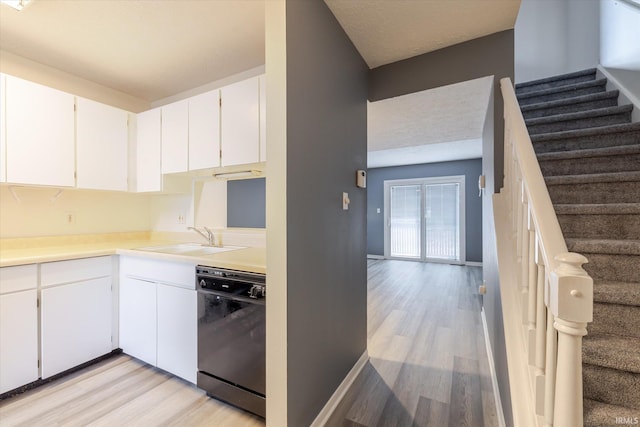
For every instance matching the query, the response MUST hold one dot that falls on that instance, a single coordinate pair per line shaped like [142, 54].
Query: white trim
[338, 395]
[492, 370]
[423, 182]
[473, 264]
[370, 256]
[632, 98]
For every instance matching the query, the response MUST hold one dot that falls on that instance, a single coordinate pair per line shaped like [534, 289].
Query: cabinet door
[102, 137]
[40, 136]
[204, 131]
[175, 137]
[18, 339]
[177, 335]
[148, 175]
[75, 324]
[240, 123]
[3, 133]
[263, 118]
[138, 319]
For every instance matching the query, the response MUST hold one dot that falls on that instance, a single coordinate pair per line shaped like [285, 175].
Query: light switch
[378, 210]
[345, 201]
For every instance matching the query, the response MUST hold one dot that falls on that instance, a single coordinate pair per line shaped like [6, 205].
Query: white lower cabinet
[138, 319]
[158, 314]
[76, 324]
[75, 312]
[177, 334]
[18, 326]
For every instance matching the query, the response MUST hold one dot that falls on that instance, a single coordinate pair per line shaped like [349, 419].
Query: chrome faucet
[210, 236]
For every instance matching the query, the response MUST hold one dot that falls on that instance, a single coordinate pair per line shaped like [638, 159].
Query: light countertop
[12, 253]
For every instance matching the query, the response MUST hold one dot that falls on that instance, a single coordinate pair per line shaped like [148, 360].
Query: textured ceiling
[154, 49]
[386, 31]
[148, 49]
[420, 124]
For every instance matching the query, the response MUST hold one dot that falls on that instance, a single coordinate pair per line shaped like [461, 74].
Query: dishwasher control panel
[241, 283]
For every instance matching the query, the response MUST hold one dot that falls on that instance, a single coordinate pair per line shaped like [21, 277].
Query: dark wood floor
[428, 363]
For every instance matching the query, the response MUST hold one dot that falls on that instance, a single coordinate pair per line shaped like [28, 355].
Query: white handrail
[555, 293]
[546, 222]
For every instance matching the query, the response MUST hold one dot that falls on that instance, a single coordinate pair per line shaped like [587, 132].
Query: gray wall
[246, 203]
[491, 55]
[491, 301]
[326, 246]
[485, 56]
[473, 204]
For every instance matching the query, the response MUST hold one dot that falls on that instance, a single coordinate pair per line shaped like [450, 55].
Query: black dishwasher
[231, 336]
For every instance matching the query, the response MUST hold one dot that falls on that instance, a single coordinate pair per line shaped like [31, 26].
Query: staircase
[589, 154]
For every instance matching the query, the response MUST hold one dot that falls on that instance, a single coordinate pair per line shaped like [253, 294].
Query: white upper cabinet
[204, 131]
[148, 149]
[3, 141]
[175, 137]
[263, 119]
[102, 146]
[40, 138]
[240, 122]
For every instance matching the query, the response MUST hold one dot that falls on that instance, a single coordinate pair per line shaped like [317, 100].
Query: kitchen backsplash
[32, 211]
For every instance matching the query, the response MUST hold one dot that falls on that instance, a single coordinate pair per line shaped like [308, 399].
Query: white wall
[165, 211]
[211, 204]
[620, 35]
[37, 213]
[555, 37]
[206, 207]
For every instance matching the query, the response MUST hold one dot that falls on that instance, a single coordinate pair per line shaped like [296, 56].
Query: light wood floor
[120, 391]
[428, 367]
[428, 364]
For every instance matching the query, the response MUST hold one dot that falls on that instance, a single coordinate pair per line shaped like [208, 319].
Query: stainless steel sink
[189, 249]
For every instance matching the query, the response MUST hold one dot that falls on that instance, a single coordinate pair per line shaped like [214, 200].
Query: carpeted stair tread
[598, 209]
[566, 91]
[594, 178]
[600, 130]
[580, 120]
[624, 158]
[588, 74]
[619, 221]
[591, 152]
[621, 293]
[600, 414]
[580, 115]
[612, 351]
[615, 319]
[611, 386]
[604, 246]
[574, 104]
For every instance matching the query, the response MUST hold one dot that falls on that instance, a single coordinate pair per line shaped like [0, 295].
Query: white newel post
[571, 302]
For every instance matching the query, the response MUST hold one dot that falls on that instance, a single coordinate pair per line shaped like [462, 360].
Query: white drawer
[18, 278]
[76, 270]
[154, 270]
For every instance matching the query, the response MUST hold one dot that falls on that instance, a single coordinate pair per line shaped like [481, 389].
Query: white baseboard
[338, 395]
[369, 256]
[492, 369]
[473, 264]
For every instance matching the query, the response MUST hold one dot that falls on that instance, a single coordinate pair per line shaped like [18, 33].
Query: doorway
[424, 219]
